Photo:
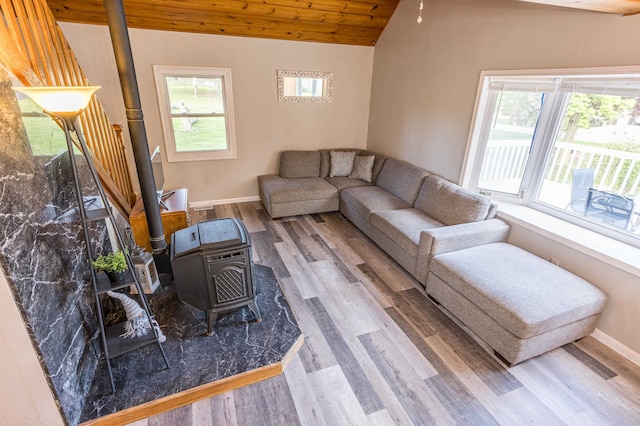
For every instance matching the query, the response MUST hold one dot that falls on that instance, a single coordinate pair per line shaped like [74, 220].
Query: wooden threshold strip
[192, 395]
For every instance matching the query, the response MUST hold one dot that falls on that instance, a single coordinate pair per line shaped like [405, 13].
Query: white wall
[25, 395]
[264, 127]
[425, 79]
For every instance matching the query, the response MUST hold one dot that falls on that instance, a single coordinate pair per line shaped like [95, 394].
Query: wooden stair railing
[34, 49]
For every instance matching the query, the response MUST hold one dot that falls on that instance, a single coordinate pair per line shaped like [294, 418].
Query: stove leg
[211, 320]
[254, 308]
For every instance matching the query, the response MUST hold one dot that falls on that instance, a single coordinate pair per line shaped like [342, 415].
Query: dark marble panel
[238, 344]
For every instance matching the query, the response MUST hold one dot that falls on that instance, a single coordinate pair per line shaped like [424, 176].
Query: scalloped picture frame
[284, 92]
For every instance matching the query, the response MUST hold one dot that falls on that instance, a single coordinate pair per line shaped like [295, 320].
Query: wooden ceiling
[353, 22]
[328, 21]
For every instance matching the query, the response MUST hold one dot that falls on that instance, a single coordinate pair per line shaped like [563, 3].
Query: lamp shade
[60, 99]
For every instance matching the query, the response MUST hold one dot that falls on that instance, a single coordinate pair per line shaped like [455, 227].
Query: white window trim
[471, 151]
[475, 149]
[160, 71]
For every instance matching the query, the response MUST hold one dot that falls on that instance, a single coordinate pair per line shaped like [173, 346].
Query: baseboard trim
[616, 346]
[207, 204]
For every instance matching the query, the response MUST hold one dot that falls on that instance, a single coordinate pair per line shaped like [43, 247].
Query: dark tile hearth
[238, 344]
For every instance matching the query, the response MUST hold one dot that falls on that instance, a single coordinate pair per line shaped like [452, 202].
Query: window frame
[161, 72]
[554, 82]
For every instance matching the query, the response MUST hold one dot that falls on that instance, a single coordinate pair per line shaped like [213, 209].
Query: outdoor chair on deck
[614, 209]
[580, 184]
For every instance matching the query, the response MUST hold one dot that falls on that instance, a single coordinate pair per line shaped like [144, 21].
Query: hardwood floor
[377, 351]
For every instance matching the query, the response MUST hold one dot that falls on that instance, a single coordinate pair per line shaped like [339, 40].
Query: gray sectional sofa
[410, 213]
[449, 239]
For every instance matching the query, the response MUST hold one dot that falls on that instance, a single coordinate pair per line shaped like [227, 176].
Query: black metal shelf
[104, 284]
[117, 345]
[93, 208]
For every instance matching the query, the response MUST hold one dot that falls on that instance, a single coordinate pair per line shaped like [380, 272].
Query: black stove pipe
[128, 82]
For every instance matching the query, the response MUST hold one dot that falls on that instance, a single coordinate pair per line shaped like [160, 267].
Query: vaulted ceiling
[330, 21]
[358, 22]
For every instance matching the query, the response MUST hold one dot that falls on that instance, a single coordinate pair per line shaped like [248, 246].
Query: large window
[196, 109]
[566, 144]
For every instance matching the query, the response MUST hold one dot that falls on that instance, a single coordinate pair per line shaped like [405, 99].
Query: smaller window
[196, 109]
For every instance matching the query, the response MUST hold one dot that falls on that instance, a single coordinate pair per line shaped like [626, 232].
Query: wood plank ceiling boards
[327, 21]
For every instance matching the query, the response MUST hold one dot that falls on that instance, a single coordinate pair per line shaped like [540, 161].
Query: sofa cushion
[365, 200]
[403, 226]
[341, 163]
[363, 167]
[299, 164]
[346, 182]
[524, 293]
[280, 190]
[378, 162]
[325, 159]
[450, 203]
[401, 179]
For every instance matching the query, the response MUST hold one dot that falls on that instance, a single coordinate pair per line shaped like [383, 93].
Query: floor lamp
[64, 104]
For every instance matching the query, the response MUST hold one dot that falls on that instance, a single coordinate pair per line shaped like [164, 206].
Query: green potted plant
[114, 264]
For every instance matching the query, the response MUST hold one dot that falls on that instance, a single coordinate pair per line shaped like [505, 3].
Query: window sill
[183, 157]
[616, 253]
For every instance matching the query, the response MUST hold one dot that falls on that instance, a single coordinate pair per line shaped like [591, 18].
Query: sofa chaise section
[519, 304]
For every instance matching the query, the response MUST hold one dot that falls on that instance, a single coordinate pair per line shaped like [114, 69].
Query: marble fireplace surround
[43, 258]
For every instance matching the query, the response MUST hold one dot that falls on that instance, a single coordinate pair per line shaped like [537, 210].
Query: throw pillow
[341, 163]
[362, 167]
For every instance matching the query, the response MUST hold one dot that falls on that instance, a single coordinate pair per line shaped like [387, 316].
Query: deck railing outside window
[617, 172]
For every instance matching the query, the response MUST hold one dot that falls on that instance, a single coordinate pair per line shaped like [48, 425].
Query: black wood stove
[212, 267]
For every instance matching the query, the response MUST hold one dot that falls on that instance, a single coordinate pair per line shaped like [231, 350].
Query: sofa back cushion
[363, 168]
[378, 162]
[451, 204]
[299, 164]
[325, 159]
[401, 179]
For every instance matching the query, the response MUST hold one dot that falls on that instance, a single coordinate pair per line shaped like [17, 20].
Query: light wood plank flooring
[378, 352]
